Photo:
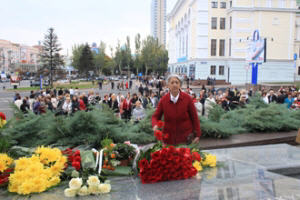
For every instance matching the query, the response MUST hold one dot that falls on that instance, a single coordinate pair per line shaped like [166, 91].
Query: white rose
[83, 191]
[104, 188]
[93, 189]
[70, 192]
[75, 183]
[93, 180]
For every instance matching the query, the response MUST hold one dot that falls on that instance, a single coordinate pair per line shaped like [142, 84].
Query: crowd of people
[132, 106]
[68, 101]
[233, 98]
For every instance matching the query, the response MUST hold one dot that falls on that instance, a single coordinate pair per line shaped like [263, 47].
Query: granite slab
[245, 174]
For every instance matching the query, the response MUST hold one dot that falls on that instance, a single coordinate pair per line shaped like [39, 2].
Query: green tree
[154, 56]
[137, 60]
[118, 58]
[86, 60]
[100, 60]
[76, 52]
[162, 60]
[148, 53]
[127, 57]
[50, 57]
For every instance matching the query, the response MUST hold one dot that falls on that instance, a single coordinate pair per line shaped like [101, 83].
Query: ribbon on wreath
[99, 158]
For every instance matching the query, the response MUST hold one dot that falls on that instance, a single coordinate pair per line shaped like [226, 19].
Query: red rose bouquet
[163, 163]
[73, 158]
[169, 163]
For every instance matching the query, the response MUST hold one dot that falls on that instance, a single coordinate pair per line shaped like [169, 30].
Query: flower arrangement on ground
[115, 155]
[5, 168]
[93, 186]
[37, 173]
[163, 163]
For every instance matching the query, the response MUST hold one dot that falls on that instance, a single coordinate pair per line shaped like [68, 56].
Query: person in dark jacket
[113, 104]
[272, 97]
[141, 89]
[24, 106]
[75, 104]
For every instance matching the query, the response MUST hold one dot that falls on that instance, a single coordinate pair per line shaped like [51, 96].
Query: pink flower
[127, 142]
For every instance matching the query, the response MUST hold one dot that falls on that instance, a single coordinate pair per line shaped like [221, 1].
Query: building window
[230, 47]
[221, 70]
[213, 70]
[230, 4]
[213, 47]
[214, 23]
[299, 70]
[222, 23]
[223, 5]
[214, 4]
[222, 48]
[230, 23]
[187, 46]
[282, 4]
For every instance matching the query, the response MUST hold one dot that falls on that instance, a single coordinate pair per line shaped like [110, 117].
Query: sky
[75, 21]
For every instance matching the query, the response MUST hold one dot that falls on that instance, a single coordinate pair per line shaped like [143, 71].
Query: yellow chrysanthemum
[48, 155]
[37, 173]
[2, 123]
[13, 188]
[26, 188]
[197, 166]
[210, 160]
[5, 162]
[54, 181]
[2, 167]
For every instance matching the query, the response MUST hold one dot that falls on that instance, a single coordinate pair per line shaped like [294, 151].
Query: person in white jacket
[209, 102]
[199, 107]
[67, 107]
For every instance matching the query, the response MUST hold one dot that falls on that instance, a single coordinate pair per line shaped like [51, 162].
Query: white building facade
[209, 38]
[159, 20]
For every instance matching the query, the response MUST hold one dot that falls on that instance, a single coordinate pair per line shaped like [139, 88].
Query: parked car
[36, 83]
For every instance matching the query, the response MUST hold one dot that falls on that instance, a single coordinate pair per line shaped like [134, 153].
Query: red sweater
[81, 105]
[181, 119]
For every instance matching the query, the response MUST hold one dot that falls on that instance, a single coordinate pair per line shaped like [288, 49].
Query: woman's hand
[155, 128]
[196, 140]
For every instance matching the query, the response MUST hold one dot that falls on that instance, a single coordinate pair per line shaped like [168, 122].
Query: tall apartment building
[158, 20]
[210, 38]
[14, 56]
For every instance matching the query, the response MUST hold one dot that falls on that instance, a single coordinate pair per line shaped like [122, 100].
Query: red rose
[166, 136]
[154, 164]
[77, 153]
[196, 156]
[172, 149]
[76, 165]
[77, 159]
[156, 155]
[71, 158]
[158, 134]
[160, 124]
[8, 170]
[143, 164]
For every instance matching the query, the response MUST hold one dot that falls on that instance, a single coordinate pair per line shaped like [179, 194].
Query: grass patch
[79, 85]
